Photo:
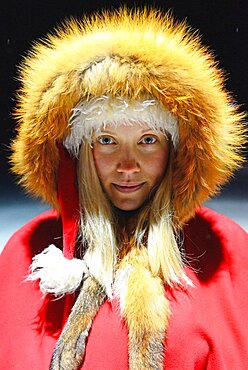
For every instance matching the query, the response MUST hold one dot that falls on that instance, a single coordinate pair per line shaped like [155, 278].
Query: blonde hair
[96, 221]
[99, 229]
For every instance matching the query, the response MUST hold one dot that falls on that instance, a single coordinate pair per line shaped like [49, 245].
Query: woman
[125, 128]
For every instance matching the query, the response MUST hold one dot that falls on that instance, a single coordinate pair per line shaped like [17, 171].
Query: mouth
[128, 187]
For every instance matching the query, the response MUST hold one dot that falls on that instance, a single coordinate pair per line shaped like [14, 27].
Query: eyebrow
[112, 132]
[104, 132]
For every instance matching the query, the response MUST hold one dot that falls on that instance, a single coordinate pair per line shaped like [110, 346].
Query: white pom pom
[57, 274]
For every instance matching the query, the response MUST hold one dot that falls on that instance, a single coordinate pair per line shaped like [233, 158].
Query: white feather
[57, 274]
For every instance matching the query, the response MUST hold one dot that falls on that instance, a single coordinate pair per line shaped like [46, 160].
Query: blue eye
[105, 140]
[148, 140]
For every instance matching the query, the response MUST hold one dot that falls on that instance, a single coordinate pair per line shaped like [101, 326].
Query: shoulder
[24, 315]
[25, 243]
[208, 221]
[214, 241]
[32, 238]
[222, 226]
[212, 313]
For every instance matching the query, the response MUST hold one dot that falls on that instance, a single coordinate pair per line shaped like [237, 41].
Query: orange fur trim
[128, 54]
[145, 309]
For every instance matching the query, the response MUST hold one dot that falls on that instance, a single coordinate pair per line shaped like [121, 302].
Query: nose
[128, 162]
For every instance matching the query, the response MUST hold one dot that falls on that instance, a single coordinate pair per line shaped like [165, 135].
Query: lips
[128, 187]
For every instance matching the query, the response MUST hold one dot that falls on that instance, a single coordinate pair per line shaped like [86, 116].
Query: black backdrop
[222, 24]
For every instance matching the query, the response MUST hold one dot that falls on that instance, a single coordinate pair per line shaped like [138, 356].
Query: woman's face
[130, 161]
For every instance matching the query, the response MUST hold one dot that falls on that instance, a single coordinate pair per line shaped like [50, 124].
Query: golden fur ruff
[128, 54]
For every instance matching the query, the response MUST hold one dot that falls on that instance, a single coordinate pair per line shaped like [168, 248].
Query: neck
[126, 219]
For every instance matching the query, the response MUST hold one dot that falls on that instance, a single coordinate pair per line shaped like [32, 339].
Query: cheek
[156, 165]
[104, 165]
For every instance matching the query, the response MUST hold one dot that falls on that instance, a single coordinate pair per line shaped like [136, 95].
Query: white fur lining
[58, 275]
[90, 116]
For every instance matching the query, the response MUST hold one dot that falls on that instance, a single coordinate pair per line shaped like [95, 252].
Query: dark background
[222, 24]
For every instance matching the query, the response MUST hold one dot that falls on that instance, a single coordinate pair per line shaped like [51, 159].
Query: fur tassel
[69, 351]
[57, 274]
[145, 309]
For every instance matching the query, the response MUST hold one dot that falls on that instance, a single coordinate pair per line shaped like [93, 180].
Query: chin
[130, 206]
[127, 208]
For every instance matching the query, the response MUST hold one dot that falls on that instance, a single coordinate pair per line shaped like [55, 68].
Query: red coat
[209, 324]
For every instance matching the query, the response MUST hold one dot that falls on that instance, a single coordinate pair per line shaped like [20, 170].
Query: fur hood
[128, 54]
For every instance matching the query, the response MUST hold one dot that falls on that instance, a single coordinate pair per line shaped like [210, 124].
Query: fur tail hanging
[69, 351]
[57, 274]
[145, 309]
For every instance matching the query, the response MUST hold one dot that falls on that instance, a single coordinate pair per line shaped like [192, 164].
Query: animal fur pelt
[69, 351]
[145, 309]
[128, 54]
[143, 306]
